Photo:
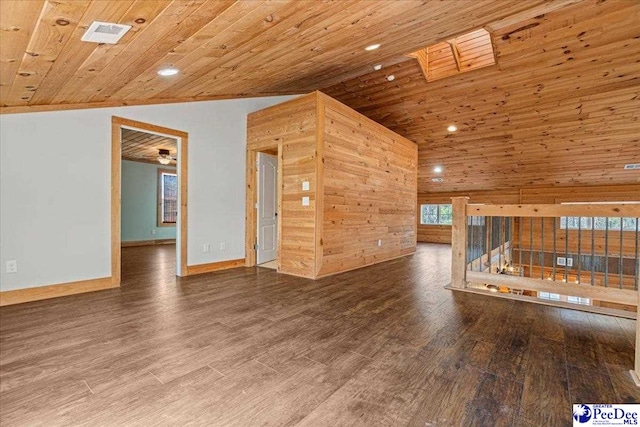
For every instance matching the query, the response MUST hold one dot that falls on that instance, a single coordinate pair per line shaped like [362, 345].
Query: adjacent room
[310, 213]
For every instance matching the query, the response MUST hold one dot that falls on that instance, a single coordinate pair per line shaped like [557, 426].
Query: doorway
[267, 207]
[178, 214]
[263, 204]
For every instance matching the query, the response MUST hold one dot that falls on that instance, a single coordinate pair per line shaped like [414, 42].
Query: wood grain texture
[559, 109]
[140, 146]
[369, 181]
[222, 47]
[21, 296]
[362, 186]
[214, 266]
[378, 346]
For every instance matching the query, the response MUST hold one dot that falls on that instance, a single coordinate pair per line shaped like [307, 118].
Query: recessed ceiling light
[452, 128]
[372, 47]
[391, 77]
[168, 72]
[377, 67]
[437, 169]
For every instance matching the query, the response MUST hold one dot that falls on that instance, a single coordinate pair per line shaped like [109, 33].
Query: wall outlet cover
[206, 247]
[12, 266]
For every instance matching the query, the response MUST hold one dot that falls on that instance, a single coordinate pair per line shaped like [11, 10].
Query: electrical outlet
[153, 231]
[561, 261]
[12, 266]
[223, 246]
[569, 262]
[305, 201]
[305, 185]
[379, 242]
[206, 248]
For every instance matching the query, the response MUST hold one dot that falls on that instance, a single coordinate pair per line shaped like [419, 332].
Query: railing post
[459, 242]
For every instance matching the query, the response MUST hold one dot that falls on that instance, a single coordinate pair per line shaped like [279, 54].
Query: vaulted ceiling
[223, 48]
[560, 106]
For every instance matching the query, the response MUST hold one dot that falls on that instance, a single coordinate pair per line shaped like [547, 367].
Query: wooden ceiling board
[228, 48]
[561, 107]
[140, 146]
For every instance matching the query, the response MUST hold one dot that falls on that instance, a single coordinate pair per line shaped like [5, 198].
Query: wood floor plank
[382, 345]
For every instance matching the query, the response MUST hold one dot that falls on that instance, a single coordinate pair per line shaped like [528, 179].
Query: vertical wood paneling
[291, 128]
[369, 179]
[362, 186]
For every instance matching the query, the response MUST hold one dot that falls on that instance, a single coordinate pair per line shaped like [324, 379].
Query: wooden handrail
[628, 210]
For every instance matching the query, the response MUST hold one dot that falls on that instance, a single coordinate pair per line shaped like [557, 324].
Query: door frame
[251, 219]
[117, 123]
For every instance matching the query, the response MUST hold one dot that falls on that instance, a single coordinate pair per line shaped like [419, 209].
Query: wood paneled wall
[363, 185]
[369, 186]
[290, 129]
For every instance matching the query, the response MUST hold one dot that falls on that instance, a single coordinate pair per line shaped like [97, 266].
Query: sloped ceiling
[561, 107]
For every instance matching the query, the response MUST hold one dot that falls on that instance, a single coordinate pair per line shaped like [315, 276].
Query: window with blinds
[167, 198]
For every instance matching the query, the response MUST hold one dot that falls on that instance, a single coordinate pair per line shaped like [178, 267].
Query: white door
[267, 208]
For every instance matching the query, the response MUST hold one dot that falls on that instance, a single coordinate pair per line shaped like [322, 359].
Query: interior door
[267, 208]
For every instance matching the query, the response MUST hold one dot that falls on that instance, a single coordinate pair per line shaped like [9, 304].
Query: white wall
[55, 182]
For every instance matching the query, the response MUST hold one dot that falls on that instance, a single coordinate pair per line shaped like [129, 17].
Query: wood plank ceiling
[143, 147]
[223, 48]
[561, 107]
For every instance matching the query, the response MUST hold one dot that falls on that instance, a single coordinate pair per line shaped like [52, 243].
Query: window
[167, 198]
[436, 214]
[598, 223]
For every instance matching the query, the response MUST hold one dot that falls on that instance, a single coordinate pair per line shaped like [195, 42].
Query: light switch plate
[305, 185]
[305, 201]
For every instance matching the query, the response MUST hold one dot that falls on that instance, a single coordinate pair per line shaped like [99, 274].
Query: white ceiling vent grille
[632, 166]
[105, 32]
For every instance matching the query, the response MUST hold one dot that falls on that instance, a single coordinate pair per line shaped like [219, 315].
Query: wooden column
[459, 242]
[635, 374]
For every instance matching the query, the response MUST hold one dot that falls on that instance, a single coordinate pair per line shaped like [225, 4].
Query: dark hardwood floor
[381, 346]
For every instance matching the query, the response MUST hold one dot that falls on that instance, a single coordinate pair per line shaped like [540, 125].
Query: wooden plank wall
[363, 186]
[370, 187]
[290, 127]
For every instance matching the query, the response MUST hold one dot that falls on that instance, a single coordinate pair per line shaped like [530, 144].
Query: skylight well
[458, 55]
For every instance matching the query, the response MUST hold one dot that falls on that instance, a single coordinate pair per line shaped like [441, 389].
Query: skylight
[458, 55]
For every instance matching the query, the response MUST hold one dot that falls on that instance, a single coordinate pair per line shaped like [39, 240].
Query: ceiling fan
[164, 156]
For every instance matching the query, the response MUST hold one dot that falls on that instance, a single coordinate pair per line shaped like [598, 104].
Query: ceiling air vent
[632, 166]
[437, 179]
[105, 32]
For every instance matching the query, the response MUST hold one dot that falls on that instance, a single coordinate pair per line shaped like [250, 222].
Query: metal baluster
[531, 248]
[593, 250]
[555, 241]
[500, 247]
[566, 251]
[620, 266]
[473, 249]
[579, 266]
[636, 255]
[520, 244]
[606, 252]
[542, 248]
